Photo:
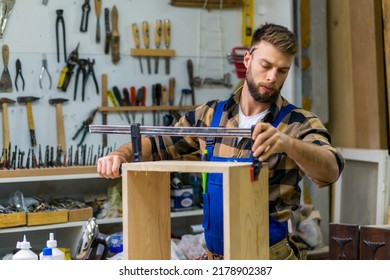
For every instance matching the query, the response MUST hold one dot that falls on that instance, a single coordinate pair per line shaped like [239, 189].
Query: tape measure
[247, 22]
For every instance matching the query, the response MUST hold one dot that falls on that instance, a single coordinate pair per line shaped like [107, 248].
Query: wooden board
[146, 208]
[356, 75]
[368, 74]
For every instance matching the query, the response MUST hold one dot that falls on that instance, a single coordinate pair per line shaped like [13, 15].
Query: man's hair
[279, 36]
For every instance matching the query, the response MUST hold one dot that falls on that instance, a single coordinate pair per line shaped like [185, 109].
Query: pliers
[43, 70]
[84, 18]
[85, 127]
[60, 20]
[91, 71]
[18, 73]
[82, 63]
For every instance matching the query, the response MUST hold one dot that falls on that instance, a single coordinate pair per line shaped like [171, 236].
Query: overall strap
[282, 113]
[210, 141]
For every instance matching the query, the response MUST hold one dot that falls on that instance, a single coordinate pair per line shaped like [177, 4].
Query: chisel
[107, 43]
[158, 42]
[145, 32]
[137, 43]
[167, 40]
[98, 9]
[115, 37]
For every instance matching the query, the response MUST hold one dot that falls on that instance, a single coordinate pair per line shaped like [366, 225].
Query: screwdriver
[158, 41]
[143, 100]
[145, 32]
[98, 9]
[167, 39]
[137, 43]
[113, 101]
[171, 98]
[133, 99]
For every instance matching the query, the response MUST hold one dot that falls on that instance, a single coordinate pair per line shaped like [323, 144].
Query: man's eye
[283, 71]
[265, 66]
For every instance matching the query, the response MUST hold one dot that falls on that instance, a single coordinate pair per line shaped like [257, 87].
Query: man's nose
[271, 75]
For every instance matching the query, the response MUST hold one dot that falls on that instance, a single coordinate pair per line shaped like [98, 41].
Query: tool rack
[152, 52]
[73, 178]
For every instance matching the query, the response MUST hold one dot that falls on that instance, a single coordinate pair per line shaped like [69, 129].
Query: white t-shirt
[248, 121]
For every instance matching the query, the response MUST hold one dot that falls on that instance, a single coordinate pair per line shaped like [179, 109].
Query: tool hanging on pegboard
[236, 57]
[247, 22]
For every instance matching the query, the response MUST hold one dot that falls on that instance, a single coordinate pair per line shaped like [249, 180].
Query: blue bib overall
[212, 199]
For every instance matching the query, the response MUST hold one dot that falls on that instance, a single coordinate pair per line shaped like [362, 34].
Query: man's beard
[254, 90]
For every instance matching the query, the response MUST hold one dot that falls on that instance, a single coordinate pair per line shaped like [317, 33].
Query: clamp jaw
[256, 164]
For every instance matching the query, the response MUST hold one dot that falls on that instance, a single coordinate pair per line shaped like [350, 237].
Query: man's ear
[247, 58]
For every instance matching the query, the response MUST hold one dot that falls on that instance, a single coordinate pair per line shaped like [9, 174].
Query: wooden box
[343, 241]
[146, 208]
[12, 219]
[375, 242]
[82, 214]
[47, 217]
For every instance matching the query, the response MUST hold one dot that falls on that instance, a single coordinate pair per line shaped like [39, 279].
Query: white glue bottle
[52, 243]
[47, 254]
[25, 253]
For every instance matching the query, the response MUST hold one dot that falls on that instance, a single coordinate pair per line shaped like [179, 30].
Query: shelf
[187, 213]
[146, 108]
[153, 52]
[60, 225]
[48, 174]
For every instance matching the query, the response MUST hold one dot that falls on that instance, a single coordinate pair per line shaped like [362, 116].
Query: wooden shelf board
[153, 52]
[145, 108]
[48, 173]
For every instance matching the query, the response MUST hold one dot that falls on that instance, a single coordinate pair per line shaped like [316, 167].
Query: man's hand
[317, 162]
[267, 140]
[108, 166]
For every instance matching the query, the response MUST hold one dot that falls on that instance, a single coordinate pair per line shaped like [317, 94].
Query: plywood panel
[341, 112]
[368, 74]
[356, 75]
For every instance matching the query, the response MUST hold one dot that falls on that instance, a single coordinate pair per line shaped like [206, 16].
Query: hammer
[4, 104]
[28, 100]
[60, 122]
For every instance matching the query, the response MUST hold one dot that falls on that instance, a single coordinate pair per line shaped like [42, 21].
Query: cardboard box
[14, 219]
[82, 214]
[47, 217]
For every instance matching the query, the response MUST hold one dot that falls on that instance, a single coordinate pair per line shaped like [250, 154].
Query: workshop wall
[195, 33]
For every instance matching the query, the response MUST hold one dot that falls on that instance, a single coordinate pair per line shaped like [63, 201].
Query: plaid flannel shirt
[284, 173]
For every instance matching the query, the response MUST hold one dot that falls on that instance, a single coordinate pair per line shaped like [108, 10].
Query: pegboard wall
[31, 33]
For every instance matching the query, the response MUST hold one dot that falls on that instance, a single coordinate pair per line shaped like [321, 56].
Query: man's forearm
[317, 162]
[126, 151]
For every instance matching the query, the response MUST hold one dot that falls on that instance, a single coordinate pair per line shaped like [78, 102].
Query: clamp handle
[136, 142]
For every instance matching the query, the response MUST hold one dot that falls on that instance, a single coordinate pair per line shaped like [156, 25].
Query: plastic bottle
[47, 254]
[52, 243]
[25, 253]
